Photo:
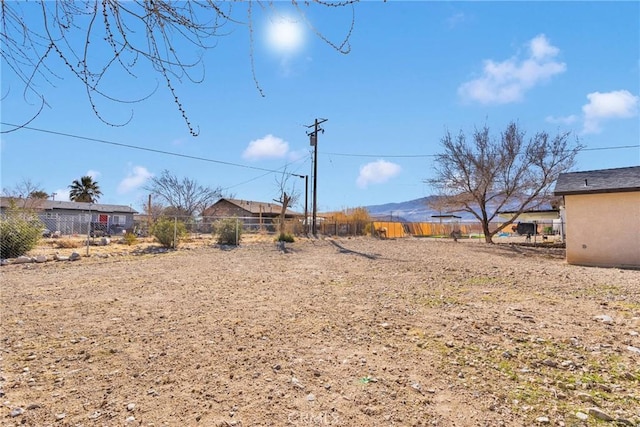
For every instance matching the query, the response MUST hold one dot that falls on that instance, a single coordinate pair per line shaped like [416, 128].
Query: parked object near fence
[526, 229]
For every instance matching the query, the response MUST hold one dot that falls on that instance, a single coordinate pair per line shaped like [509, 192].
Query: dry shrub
[67, 244]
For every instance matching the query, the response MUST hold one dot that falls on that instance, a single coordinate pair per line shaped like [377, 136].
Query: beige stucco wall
[603, 229]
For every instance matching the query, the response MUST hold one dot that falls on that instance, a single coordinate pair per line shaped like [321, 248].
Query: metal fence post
[175, 231]
[88, 229]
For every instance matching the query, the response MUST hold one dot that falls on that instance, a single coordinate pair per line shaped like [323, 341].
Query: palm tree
[84, 190]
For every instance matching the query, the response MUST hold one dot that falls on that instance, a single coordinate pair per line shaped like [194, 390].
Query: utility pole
[313, 139]
[306, 209]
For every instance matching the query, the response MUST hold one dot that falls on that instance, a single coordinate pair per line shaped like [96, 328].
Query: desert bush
[169, 232]
[129, 238]
[228, 231]
[20, 232]
[286, 237]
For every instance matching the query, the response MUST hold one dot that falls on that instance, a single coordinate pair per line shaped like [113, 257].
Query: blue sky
[415, 71]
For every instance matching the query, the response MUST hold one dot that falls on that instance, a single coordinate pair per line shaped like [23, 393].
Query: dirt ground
[340, 332]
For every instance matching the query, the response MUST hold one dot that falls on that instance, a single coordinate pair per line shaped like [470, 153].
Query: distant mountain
[416, 210]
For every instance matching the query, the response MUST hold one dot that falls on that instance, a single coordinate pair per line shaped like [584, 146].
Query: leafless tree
[185, 195]
[485, 176]
[152, 207]
[29, 195]
[96, 41]
[288, 196]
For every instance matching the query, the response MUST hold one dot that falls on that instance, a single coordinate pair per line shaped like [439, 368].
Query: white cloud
[619, 104]
[541, 49]
[269, 147]
[377, 172]
[507, 81]
[135, 179]
[285, 35]
[563, 120]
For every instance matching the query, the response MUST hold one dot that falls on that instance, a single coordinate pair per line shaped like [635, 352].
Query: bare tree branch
[98, 40]
[288, 196]
[185, 195]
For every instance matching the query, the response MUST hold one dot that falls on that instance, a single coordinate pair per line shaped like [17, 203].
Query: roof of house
[47, 205]
[257, 207]
[599, 181]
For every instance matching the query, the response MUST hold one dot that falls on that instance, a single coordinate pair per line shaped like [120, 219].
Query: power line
[378, 155]
[153, 150]
[169, 153]
[610, 148]
[620, 147]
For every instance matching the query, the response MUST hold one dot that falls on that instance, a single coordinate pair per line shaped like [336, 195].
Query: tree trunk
[285, 204]
[488, 237]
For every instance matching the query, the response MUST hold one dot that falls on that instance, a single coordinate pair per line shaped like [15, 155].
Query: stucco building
[602, 214]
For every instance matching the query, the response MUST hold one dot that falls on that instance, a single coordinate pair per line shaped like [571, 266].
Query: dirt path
[351, 332]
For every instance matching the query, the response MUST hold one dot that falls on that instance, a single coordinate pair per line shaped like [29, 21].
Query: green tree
[84, 190]
[487, 175]
[39, 194]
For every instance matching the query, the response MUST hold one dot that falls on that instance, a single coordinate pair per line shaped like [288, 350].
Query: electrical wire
[435, 155]
[153, 150]
[102, 141]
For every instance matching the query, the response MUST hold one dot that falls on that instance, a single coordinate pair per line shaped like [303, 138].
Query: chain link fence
[22, 229]
[247, 225]
[534, 231]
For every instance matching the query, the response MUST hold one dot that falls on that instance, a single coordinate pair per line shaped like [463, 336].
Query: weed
[130, 239]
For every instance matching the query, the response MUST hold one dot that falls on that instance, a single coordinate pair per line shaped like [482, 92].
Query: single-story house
[252, 213]
[75, 217]
[602, 216]
[227, 208]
